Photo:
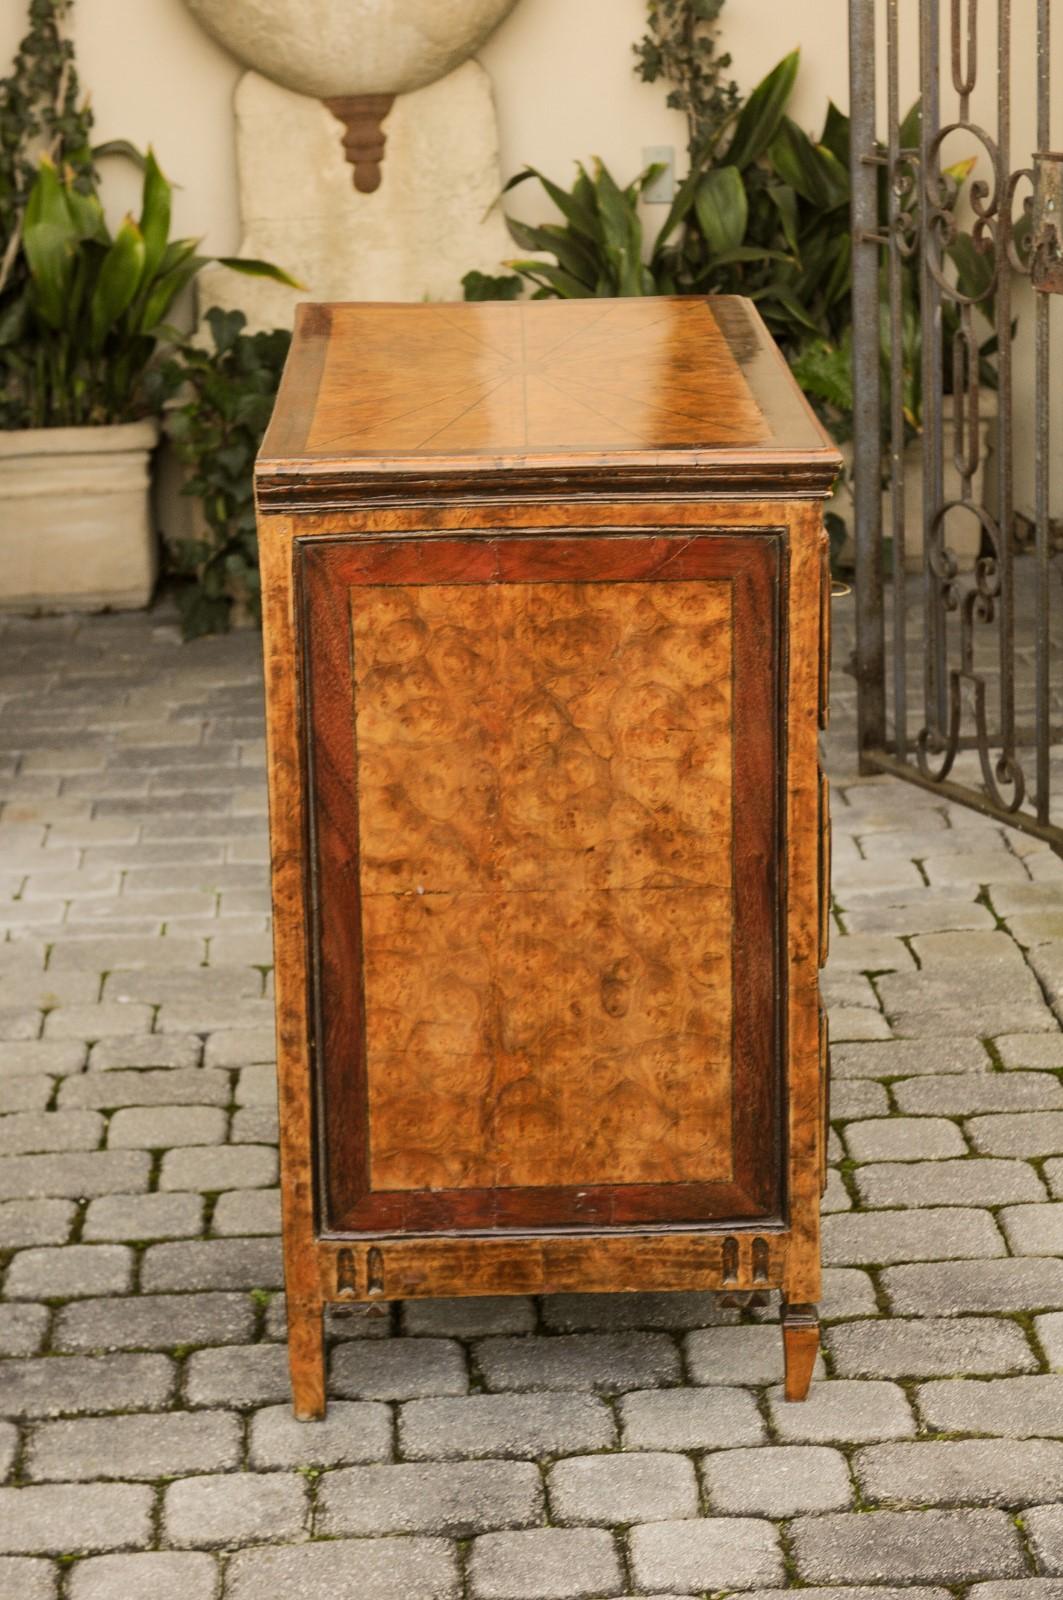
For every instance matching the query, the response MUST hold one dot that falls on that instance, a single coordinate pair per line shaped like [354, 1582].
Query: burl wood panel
[666, 569]
[545, 796]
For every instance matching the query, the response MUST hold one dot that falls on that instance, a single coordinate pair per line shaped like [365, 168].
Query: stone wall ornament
[324, 75]
[364, 138]
[326, 48]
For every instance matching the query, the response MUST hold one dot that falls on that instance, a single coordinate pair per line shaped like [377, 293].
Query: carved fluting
[545, 829]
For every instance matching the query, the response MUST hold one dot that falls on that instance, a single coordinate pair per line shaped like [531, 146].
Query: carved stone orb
[331, 48]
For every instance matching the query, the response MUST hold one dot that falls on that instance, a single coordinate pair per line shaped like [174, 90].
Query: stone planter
[964, 534]
[76, 531]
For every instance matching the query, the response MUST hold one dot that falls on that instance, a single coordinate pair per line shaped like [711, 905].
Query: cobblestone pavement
[502, 1450]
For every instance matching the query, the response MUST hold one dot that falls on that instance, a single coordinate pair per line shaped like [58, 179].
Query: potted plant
[82, 320]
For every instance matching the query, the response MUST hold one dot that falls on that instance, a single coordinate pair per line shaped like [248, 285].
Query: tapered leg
[800, 1339]
[306, 1360]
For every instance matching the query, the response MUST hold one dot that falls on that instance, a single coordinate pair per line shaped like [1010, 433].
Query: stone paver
[164, 1575]
[606, 1362]
[921, 1546]
[530, 1425]
[950, 1288]
[904, 1139]
[574, 1447]
[29, 1578]
[545, 1564]
[1001, 1472]
[348, 1569]
[144, 1446]
[155, 1322]
[947, 1183]
[75, 1385]
[914, 1235]
[235, 1508]
[923, 1348]
[714, 1553]
[690, 1419]
[1012, 1408]
[456, 1498]
[777, 1481]
[55, 1519]
[846, 1411]
[643, 1486]
[1044, 1529]
[353, 1431]
[744, 1355]
[69, 1270]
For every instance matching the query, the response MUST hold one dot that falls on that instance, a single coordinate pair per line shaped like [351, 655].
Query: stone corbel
[364, 138]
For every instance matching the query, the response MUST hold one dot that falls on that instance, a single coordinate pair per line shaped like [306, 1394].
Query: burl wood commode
[546, 605]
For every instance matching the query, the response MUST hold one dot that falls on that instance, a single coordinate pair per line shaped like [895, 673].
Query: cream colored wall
[562, 71]
[564, 85]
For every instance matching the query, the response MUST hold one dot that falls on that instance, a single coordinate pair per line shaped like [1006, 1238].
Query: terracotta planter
[964, 534]
[76, 532]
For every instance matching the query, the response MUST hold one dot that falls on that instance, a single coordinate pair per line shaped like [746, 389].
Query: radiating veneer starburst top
[585, 379]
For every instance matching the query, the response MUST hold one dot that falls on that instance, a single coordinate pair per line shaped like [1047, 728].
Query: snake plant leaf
[154, 218]
[555, 278]
[573, 254]
[49, 238]
[167, 285]
[622, 232]
[252, 267]
[784, 296]
[836, 134]
[759, 119]
[784, 199]
[811, 169]
[117, 283]
[86, 215]
[722, 209]
[120, 147]
[577, 206]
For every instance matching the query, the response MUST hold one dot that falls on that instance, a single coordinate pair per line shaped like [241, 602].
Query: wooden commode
[546, 603]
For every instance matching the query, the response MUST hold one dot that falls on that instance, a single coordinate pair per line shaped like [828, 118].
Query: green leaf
[836, 134]
[622, 232]
[49, 239]
[117, 282]
[784, 199]
[578, 207]
[164, 290]
[572, 253]
[554, 279]
[121, 147]
[749, 252]
[154, 218]
[783, 296]
[485, 286]
[722, 209]
[816, 174]
[825, 371]
[760, 116]
[251, 267]
[910, 127]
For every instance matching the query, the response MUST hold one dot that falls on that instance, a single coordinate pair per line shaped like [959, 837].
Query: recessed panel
[545, 875]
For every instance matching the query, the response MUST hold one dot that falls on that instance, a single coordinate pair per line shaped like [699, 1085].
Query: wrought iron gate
[940, 247]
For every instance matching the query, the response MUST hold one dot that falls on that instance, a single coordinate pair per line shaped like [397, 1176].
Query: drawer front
[545, 849]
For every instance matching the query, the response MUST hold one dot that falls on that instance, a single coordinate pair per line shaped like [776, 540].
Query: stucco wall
[564, 89]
